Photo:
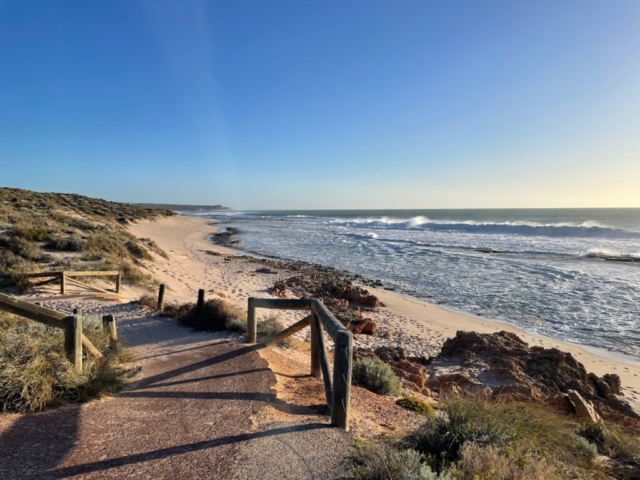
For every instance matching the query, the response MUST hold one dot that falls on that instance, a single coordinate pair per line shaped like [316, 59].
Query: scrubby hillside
[54, 231]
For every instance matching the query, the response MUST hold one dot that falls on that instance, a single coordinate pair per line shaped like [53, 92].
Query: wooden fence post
[118, 282]
[200, 304]
[109, 325]
[161, 290]
[63, 283]
[73, 341]
[342, 379]
[315, 351]
[252, 326]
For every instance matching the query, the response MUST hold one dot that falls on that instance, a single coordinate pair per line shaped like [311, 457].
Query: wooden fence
[70, 276]
[337, 387]
[74, 339]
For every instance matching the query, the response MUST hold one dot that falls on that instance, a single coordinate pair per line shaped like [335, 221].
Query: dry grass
[479, 439]
[35, 225]
[416, 404]
[35, 374]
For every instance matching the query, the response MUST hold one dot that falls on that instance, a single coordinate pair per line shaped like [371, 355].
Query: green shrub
[490, 463]
[381, 461]
[66, 244]
[12, 263]
[612, 441]
[375, 375]
[29, 233]
[21, 247]
[236, 325]
[417, 405]
[526, 432]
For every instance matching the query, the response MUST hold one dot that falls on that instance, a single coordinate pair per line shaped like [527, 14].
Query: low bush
[472, 438]
[35, 373]
[65, 244]
[237, 325]
[417, 405]
[375, 375]
[216, 315]
[138, 251]
[30, 233]
[101, 245]
[379, 460]
[526, 434]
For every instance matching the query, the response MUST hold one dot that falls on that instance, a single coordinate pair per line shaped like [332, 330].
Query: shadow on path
[177, 450]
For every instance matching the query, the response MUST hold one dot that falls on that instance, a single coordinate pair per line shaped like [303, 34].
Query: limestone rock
[583, 408]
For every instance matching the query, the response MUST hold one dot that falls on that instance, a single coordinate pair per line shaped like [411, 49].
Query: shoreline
[371, 284]
[412, 321]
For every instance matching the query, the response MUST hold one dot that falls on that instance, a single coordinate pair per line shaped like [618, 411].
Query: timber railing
[74, 339]
[337, 386]
[70, 276]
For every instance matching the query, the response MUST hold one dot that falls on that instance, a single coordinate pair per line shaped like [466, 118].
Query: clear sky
[324, 104]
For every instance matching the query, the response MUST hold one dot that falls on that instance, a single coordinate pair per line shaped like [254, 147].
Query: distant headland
[184, 208]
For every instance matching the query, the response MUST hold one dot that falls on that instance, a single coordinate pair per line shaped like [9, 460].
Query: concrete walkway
[188, 416]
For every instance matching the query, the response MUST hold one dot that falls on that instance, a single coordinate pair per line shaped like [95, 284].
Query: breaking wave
[589, 229]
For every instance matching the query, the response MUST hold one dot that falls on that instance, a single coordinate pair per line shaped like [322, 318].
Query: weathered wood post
[161, 290]
[252, 326]
[63, 283]
[324, 362]
[73, 341]
[200, 304]
[118, 282]
[342, 379]
[109, 326]
[315, 351]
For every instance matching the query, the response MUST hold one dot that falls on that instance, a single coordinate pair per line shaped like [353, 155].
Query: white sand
[418, 326]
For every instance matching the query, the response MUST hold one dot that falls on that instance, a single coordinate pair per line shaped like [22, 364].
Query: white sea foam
[561, 229]
[536, 274]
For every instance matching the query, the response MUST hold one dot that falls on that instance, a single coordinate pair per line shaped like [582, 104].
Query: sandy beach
[418, 326]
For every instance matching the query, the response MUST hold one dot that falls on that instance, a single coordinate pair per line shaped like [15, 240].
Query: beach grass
[35, 373]
[473, 438]
[47, 231]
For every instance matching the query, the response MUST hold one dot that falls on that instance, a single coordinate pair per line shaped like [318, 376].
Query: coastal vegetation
[377, 376]
[52, 231]
[217, 315]
[35, 373]
[473, 438]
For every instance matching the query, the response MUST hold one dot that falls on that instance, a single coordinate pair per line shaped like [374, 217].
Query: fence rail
[72, 325]
[337, 386]
[70, 276]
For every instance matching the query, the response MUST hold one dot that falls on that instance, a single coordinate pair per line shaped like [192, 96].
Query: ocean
[571, 274]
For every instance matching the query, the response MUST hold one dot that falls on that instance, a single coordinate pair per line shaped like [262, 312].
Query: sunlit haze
[324, 104]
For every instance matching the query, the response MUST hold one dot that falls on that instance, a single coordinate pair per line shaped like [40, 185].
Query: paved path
[188, 416]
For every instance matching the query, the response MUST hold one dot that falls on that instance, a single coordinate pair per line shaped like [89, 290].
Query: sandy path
[190, 414]
[418, 326]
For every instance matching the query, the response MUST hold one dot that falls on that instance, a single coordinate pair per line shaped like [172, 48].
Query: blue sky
[324, 104]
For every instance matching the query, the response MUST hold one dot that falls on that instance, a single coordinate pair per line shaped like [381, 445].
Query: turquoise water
[551, 270]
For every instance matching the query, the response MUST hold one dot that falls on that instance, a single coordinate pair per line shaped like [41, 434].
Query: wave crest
[587, 229]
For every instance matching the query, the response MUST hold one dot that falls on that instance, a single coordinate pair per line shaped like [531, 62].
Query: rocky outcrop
[344, 299]
[326, 286]
[503, 365]
[506, 364]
